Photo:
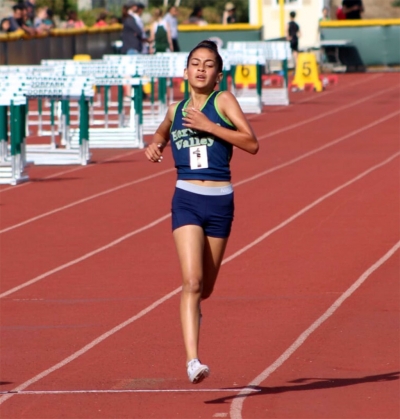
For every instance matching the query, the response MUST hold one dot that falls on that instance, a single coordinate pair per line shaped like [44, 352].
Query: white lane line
[237, 403]
[312, 205]
[118, 156]
[138, 390]
[81, 201]
[86, 256]
[289, 127]
[316, 150]
[324, 114]
[142, 313]
[138, 151]
[313, 97]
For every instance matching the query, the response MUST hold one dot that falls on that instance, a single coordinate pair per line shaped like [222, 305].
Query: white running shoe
[197, 372]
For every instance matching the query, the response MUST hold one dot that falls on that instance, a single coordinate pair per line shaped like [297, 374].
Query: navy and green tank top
[185, 141]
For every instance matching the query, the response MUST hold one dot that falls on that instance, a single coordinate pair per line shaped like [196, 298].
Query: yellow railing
[118, 27]
[360, 22]
[12, 36]
[219, 27]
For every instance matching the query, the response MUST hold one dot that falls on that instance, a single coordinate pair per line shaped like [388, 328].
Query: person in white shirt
[137, 14]
[171, 18]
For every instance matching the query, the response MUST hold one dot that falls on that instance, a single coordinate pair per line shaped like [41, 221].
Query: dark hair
[212, 46]
[101, 16]
[196, 10]
[293, 14]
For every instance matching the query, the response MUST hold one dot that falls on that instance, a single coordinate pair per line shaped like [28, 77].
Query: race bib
[198, 157]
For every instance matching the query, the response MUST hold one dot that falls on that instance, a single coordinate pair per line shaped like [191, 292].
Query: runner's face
[202, 71]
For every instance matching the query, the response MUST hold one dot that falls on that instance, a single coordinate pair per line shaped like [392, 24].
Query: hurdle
[64, 89]
[259, 54]
[13, 158]
[160, 69]
[128, 133]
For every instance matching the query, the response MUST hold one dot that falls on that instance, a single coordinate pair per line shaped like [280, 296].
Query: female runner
[202, 132]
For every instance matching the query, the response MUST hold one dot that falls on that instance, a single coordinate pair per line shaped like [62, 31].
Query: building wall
[308, 13]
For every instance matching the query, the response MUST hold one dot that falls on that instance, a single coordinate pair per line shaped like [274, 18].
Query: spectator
[16, 16]
[160, 33]
[229, 15]
[73, 22]
[171, 18]
[293, 34]
[5, 26]
[49, 20]
[124, 12]
[101, 20]
[196, 16]
[352, 9]
[41, 23]
[340, 14]
[325, 15]
[132, 42]
[137, 14]
[113, 20]
[25, 23]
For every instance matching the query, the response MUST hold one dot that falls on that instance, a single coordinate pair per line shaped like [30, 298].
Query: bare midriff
[209, 182]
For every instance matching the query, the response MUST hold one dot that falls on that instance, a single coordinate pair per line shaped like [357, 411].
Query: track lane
[49, 241]
[101, 177]
[349, 367]
[163, 338]
[377, 148]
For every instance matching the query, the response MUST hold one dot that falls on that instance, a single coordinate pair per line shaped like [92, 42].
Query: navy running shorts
[211, 208]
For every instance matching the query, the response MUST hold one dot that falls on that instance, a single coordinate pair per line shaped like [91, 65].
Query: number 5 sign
[307, 72]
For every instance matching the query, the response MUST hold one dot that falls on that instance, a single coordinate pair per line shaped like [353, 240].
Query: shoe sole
[201, 375]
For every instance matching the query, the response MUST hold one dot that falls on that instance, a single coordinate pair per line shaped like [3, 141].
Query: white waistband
[205, 190]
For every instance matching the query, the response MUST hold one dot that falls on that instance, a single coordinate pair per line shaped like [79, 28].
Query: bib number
[198, 157]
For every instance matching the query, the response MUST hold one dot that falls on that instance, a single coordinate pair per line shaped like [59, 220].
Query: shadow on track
[307, 384]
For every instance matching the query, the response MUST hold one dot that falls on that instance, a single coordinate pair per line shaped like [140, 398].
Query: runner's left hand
[196, 119]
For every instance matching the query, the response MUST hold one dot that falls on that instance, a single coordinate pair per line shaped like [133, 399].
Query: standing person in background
[172, 20]
[124, 12]
[137, 14]
[325, 15]
[160, 33]
[352, 9]
[325, 18]
[202, 131]
[339, 13]
[229, 15]
[196, 17]
[292, 35]
[131, 33]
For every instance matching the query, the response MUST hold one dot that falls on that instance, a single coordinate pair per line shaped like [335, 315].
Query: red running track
[90, 281]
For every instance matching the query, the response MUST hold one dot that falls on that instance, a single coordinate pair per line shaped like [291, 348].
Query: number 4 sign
[307, 72]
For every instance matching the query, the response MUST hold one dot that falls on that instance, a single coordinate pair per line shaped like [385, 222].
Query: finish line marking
[199, 390]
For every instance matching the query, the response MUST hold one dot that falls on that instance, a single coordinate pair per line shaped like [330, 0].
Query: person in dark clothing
[16, 16]
[131, 33]
[293, 35]
[352, 9]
